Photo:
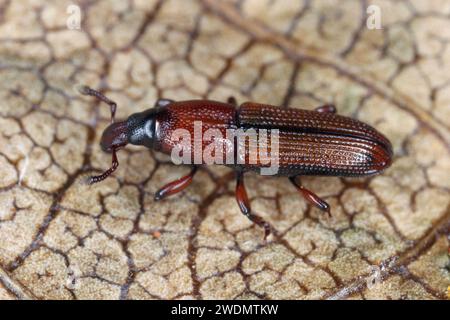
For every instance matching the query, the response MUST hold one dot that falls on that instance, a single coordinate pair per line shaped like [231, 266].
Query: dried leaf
[389, 235]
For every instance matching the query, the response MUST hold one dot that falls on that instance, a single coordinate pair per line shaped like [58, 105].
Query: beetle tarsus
[244, 205]
[175, 186]
[311, 197]
[327, 108]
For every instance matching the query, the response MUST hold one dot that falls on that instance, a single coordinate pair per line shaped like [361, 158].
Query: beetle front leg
[311, 197]
[326, 108]
[244, 205]
[175, 186]
[163, 102]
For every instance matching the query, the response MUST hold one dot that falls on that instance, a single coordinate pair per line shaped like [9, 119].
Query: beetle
[311, 142]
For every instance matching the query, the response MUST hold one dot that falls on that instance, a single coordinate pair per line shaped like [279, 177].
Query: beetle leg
[311, 197]
[326, 108]
[244, 205]
[163, 102]
[175, 186]
[232, 100]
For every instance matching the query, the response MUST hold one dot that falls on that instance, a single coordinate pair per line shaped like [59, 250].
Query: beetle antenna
[85, 90]
[115, 163]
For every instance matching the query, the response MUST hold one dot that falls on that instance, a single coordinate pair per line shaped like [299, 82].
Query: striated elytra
[318, 142]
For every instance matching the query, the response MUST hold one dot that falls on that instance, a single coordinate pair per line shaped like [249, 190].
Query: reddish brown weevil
[318, 142]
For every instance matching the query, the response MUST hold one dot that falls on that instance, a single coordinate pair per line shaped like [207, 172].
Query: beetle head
[114, 137]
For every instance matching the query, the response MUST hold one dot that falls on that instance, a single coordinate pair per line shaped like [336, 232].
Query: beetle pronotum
[318, 142]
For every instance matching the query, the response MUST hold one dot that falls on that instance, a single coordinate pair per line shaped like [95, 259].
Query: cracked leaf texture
[60, 239]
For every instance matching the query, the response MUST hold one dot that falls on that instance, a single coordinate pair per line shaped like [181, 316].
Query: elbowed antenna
[85, 90]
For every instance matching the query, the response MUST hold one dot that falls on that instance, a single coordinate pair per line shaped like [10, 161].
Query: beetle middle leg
[244, 205]
[176, 186]
[311, 197]
[326, 108]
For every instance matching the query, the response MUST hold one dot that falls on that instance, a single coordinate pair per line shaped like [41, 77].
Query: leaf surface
[389, 235]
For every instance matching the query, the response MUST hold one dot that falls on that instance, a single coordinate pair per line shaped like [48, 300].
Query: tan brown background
[60, 239]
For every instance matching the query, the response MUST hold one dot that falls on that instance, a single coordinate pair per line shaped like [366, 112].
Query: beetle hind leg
[311, 197]
[176, 186]
[244, 205]
[326, 108]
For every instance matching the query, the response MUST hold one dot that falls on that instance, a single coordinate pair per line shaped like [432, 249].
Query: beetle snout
[114, 137]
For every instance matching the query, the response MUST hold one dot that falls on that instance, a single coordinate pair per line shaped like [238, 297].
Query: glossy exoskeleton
[318, 142]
